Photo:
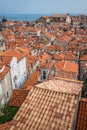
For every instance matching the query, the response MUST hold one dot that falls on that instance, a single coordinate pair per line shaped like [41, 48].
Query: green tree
[7, 113]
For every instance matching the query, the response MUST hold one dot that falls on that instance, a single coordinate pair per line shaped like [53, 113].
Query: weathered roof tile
[46, 109]
[18, 97]
[82, 115]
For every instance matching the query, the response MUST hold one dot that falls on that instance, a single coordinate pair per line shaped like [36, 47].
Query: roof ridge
[64, 65]
[67, 79]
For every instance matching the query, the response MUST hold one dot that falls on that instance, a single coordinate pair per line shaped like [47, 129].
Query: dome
[4, 19]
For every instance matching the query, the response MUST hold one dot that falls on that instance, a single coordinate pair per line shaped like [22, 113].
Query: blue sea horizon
[22, 17]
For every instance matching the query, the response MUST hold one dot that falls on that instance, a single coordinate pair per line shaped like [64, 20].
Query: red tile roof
[64, 38]
[38, 46]
[82, 115]
[6, 126]
[49, 35]
[48, 65]
[62, 85]
[33, 79]
[70, 47]
[30, 59]
[55, 48]
[83, 57]
[83, 40]
[18, 97]
[66, 66]
[45, 57]
[6, 58]
[1, 65]
[71, 67]
[69, 32]
[3, 73]
[65, 56]
[19, 54]
[74, 42]
[46, 109]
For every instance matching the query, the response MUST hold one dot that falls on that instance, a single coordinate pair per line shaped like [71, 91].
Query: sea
[22, 17]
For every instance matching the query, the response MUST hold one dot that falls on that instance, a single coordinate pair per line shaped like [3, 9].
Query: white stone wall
[22, 71]
[14, 71]
[18, 72]
[5, 89]
[68, 19]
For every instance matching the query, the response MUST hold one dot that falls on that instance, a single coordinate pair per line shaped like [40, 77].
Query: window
[31, 65]
[15, 78]
[52, 43]
[44, 74]
[7, 95]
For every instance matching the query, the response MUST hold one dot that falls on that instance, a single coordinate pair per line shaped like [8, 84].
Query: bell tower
[68, 19]
[4, 21]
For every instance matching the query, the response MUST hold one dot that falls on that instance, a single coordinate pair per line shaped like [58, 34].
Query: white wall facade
[18, 72]
[14, 72]
[22, 71]
[5, 89]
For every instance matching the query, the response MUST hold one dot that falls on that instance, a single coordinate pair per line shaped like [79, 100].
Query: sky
[43, 6]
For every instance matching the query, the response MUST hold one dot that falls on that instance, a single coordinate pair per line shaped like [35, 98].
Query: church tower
[4, 21]
[68, 19]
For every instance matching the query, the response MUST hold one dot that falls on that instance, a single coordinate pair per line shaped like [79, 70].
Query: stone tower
[68, 19]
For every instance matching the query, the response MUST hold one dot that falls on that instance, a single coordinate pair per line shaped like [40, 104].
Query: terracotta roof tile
[65, 56]
[50, 35]
[1, 64]
[6, 58]
[19, 54]
[48, 65]
[71, 67]
[64, 38]
[69, 32]
[54, 47]
[62, 85]
[83, 48]
[38, 46]
[30, 59]
[70, 47]
[45, 57]
[33, 79]
[1, 53]
[83, 40]
[18, 97]
[83, 57]
[66, 66]
[74, 42]
[6, 126]
[46, 109]
[4, 71]
[26, 50]
[82, 115]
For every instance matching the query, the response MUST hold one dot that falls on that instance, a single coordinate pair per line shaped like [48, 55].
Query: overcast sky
[43, 6]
